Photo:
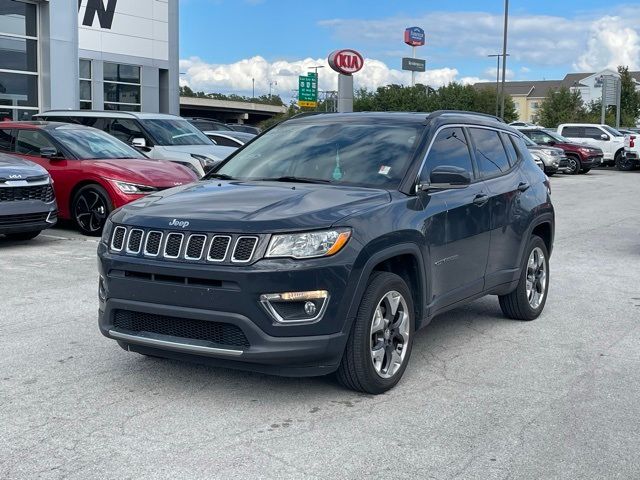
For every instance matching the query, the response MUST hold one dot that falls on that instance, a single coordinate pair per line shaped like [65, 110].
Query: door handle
[480, 199]
[523, 186]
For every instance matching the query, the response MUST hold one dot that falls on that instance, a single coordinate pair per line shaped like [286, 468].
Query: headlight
[134, 189]
[106, 231]
[309, 244]
[552, 153]
[585, 151]
[206, 162]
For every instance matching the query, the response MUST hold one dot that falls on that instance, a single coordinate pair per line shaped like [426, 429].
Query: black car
[327, 242]
[27, 201]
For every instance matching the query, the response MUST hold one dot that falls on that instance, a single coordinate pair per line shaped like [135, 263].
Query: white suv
[159, 136]
[609, 140]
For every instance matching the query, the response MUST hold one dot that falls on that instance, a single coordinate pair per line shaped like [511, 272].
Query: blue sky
[224, 42]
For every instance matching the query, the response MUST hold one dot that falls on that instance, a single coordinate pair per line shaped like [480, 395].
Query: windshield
[174, 132]
[93, 144]
[544, 136]
[528, 141]
[369, 155]
[612, 131]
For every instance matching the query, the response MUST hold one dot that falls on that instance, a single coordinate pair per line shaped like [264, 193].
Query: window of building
[18, 60]
[490, 154]
[85, 85]
[122, 87]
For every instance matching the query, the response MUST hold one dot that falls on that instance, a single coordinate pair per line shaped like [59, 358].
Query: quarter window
[29, 142]
[450, 148]
[510, 148]
[490, 154]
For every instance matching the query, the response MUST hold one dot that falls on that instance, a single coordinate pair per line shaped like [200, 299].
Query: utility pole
[504, 55]
[497, 56]
[253, 88]
[271, 84]
[316, 67]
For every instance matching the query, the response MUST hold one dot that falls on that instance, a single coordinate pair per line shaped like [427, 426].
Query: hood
[575, 145]
[14, 168]
[257, 207]
[545, 147]
[215, 152]
[155, 173]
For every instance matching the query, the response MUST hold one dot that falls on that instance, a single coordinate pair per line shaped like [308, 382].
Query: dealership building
[88, 54]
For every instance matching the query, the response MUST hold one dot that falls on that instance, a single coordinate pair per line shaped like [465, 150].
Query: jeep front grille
[192, 247]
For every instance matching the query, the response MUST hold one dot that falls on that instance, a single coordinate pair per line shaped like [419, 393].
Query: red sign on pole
[346, 61]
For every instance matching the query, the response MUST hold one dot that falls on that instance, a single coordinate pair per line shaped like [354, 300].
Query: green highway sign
[308, 90]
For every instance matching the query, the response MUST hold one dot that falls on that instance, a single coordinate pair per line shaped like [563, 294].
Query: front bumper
[27, 216]
[229, 295]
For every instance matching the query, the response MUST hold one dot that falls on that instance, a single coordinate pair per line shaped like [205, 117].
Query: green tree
[561, 106]
[629, 99]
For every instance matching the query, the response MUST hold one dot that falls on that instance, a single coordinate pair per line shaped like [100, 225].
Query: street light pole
[497, 55]
[253, 88]
[275, 82]
[504, 55]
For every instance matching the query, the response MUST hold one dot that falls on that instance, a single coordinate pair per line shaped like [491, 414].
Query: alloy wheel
[536, 278]
[574, 165]
[389, 339]
[91, 211]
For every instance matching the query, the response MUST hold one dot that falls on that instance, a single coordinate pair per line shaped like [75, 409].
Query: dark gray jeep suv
[327, 242]
[27, 201]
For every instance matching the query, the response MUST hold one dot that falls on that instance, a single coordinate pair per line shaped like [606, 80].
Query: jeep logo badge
[178, 223]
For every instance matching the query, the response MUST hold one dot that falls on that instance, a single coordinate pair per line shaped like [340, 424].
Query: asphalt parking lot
[483, 397]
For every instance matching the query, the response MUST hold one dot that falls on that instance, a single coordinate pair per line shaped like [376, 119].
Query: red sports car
[93, 172]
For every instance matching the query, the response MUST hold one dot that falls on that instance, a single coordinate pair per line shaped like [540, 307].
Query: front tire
[527, 301]
[379, 346]
[90, 208]
[574, 166]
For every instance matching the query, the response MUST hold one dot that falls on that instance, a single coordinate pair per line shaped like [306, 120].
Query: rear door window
[574, 132]
[510, 148]
[490, 153]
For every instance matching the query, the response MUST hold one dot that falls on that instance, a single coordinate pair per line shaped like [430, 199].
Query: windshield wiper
[219, 176]
[293, 179]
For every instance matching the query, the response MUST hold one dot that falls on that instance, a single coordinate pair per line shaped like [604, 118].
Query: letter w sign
[96, 7]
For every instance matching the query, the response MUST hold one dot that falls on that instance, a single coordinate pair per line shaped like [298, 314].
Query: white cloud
[491, 73]
[237, 77]
[540, 40]
[610, 44]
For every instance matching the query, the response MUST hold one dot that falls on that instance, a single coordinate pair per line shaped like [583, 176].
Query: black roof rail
[438, 113]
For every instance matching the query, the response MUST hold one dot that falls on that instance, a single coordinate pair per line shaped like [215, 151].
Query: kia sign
[346, 62]
[414, 36]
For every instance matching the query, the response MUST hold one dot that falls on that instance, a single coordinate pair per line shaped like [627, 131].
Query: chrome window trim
[226, 252]
[124, 238]
[186, 255]
[146, 242]
[166, 241]
[253, 251]
[457, 125]
[128, 250]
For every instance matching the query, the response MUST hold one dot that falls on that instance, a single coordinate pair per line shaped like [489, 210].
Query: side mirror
[604, 136]
[139, 142]
[48, 152]
[445, 177]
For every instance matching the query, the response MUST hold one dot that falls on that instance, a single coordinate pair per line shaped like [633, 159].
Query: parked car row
[93, 162]
[587, 145]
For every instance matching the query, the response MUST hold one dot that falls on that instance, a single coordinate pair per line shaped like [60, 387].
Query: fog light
[295, 307]
[310, 308]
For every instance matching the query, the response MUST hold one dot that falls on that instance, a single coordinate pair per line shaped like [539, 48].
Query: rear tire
[379, 345]
[624, 164]
[527, 301]
[23, 236]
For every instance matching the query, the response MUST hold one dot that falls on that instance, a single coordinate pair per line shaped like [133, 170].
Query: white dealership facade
[90, 54]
